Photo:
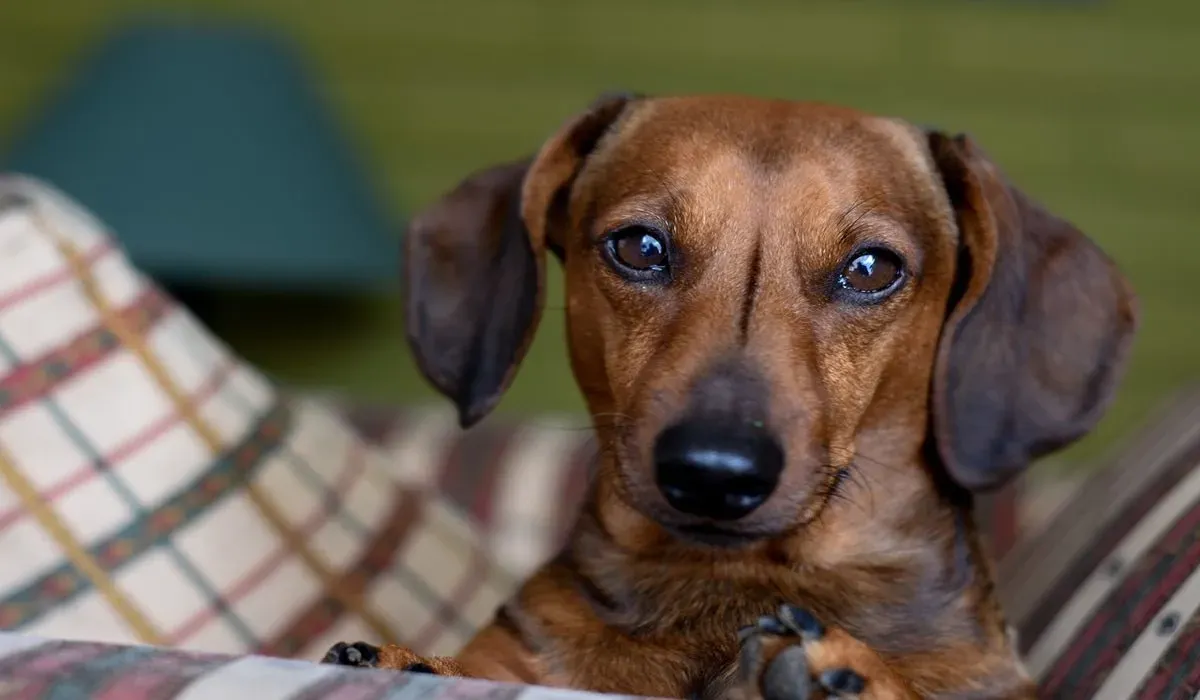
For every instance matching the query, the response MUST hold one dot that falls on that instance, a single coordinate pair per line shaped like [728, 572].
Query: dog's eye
[871, 272]
[639, 249]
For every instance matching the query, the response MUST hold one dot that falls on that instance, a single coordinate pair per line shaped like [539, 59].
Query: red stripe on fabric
[450, 609]
[1005, 526]
[470, 468]
[158, 676]
[323, 614]
[354, 469]
[486, 492]
[1178, 669]
[379, 686]
[376, 425]
[448, 477]
[209, 388]
[34, 379]
[1151, 589]
[1059, 594]
[50, 281]
[1193, 679]
[223, 477]
[483, 504]
[123, 451]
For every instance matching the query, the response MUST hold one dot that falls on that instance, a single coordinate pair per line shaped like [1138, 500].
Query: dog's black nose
[713, 472]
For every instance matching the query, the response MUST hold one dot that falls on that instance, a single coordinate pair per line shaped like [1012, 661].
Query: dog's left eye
[638, 251]
[872, 272]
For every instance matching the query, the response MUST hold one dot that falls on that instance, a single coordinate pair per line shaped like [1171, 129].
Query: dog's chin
[709, 535]
[701, 533]
[713, 536]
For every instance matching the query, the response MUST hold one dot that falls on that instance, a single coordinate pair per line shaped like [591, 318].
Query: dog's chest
[701, 601]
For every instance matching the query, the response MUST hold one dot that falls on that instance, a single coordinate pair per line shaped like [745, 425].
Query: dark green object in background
[1090, 107]
[215, 163]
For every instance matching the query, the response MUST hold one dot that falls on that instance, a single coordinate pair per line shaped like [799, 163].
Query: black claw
[745, 633]
[767, 624]
[843, 681]
[335, 653]
[357, 655]
[419, 667]
[802, 621]
[773, 625]
[787, 677]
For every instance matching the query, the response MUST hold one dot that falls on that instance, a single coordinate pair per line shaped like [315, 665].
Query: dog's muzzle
[716, 472]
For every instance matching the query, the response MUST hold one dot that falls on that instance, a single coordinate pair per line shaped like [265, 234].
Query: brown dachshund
[806, 336]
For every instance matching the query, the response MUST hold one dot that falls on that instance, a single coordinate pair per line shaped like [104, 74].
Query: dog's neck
[901, 576]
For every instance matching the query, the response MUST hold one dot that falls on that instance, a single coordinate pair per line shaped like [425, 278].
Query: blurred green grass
[1090, 106]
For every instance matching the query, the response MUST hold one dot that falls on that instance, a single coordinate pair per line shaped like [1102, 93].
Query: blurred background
[374, 107]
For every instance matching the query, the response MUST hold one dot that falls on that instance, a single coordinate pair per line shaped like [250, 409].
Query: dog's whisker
[559, 426]
[861, 479]
[860, 210]
[879, 462]
[834, 488]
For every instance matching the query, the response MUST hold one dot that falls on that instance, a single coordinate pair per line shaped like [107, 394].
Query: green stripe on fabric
[151, 529]
[212, 596]
[101, 467]
[381, 553]
[411, 581]
[33, 379]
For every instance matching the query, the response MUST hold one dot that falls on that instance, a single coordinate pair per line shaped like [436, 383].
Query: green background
[1090, 106]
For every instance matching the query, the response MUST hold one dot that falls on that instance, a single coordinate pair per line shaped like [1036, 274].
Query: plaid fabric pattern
[1109, 597]
[521, 483]
[155, 489]
[39, 669]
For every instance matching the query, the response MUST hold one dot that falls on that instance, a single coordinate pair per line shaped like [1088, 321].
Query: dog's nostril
[714, 473]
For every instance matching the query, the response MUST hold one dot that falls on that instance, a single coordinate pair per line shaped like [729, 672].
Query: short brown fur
[1005, 343]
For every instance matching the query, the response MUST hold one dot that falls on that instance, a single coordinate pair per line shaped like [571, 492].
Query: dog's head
[762, 295]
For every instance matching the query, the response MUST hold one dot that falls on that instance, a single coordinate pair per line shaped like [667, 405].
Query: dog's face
[763, 296]
[744, 303]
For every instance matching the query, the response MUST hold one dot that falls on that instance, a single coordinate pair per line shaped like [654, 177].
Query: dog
[807, 337]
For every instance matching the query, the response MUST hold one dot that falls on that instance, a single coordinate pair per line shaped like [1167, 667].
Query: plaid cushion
[155, 489]
[521, 482]
[1108, 598]
[38, 669]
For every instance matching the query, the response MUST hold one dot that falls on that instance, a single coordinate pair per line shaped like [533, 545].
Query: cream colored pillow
[156, 489]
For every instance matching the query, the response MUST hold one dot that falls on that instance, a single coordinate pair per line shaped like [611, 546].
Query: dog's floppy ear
[475, 265]
[1038, 330]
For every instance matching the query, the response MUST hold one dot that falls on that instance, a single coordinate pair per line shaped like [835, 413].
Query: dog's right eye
[638, 251]
[871, 275]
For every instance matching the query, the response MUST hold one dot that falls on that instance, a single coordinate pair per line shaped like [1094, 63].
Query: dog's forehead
[704, 146]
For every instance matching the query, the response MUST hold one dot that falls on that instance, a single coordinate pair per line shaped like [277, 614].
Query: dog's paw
[390, 658]
[355, 655]
[363, 655]
[792, 656]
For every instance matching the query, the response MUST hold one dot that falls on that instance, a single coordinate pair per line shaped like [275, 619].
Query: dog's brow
[849, 221]
[674, 201]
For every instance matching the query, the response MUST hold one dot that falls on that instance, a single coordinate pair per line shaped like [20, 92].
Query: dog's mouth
[746, 533]
[710, 535]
